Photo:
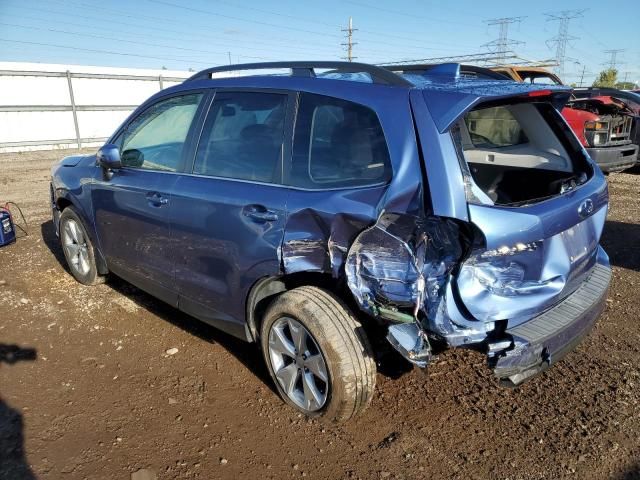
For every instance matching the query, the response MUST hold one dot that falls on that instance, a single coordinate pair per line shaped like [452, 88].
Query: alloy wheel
[298, 364]
[75, 247]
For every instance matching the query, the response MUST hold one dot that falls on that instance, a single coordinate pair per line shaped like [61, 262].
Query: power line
[108, 52]
[138, 34]
[324, 34]
[350, 43]
[562, 38]
[410, 15]
[485, 58]
[119, 14]
[257, 22]
[503, 43]
[133, 42]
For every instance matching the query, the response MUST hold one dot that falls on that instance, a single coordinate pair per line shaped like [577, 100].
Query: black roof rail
[306, 69]
[465, 70]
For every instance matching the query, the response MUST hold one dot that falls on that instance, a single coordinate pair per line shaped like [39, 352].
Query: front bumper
[614, 159]
[542, 341]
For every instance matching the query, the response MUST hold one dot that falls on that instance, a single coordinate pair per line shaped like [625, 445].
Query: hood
[73, 160]
[601, 106]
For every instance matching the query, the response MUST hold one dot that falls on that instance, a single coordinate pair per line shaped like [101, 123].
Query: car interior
[513, 154]
[242, 138]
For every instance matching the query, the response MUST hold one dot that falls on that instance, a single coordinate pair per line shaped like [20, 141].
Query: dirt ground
[87, 389]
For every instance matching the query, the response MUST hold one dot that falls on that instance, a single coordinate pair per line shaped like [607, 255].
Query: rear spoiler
[447, 102]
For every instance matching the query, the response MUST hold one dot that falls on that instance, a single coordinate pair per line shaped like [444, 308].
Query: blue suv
[311, 210]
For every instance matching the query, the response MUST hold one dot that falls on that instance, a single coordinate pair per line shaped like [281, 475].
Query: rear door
[537, 201]
[132, 207]
[227, 216]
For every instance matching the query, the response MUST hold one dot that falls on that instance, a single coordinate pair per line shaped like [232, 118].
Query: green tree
[607, 78]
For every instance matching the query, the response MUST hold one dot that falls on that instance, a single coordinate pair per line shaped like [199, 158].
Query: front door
[132, 207]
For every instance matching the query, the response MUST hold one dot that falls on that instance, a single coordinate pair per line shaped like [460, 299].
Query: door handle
[156, 200]
[260, 214]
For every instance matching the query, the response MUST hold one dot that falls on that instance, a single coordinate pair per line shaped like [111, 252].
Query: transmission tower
[613, 57]
[503, 42]
[349, 43]
[562, 38]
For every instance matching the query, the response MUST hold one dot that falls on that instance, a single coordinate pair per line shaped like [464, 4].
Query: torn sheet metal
[315, 243]
[403, 262]
[411, 342]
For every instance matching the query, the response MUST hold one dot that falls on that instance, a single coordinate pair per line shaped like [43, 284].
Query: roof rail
[306, 69]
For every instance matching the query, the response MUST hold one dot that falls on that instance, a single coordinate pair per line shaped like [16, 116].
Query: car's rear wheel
[318, 354]
[78, 248]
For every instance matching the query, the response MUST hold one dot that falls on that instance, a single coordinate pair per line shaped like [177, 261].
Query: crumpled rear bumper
[545, 339]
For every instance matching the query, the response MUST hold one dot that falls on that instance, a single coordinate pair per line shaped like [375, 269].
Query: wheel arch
[63, 202]
[266, 289]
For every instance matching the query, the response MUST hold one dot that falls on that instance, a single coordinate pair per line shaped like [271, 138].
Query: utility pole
[503, 42]
[562, 38]
[613, 54]
[350, 43]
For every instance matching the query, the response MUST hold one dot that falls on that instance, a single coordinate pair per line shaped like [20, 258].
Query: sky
[195, 34]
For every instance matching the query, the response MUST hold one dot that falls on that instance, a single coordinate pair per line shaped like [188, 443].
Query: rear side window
[242, 137]
[337, 144]
[155, 139]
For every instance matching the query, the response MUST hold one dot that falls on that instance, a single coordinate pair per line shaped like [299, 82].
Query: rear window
[337, 144]
[518, 154]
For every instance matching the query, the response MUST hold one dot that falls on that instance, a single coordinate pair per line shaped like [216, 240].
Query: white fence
[58, 106]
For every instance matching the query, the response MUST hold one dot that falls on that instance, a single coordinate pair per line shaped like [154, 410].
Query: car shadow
[50, 239]
[632, 473]
[13, 461]
[621, 241]
[248, 354]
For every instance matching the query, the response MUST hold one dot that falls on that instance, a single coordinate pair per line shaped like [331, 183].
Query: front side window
[242, 137]
[337, 144]
[155, 139]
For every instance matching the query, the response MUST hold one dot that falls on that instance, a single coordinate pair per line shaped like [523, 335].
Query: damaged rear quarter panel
[322, 224]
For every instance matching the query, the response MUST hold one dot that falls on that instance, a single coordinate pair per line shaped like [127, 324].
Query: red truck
[606, 122]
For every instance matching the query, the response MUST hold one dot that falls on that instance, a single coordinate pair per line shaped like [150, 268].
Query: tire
[340, 341]
[78, 249]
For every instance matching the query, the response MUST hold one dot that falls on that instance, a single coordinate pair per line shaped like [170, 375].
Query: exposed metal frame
[307, 69]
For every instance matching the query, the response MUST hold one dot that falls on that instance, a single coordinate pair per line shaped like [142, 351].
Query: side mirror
[108, 157]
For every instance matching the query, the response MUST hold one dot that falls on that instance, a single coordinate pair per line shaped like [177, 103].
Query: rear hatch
[536, 203]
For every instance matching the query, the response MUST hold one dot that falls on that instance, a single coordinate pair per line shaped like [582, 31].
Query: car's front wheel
[318, 354]
[78, 248]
